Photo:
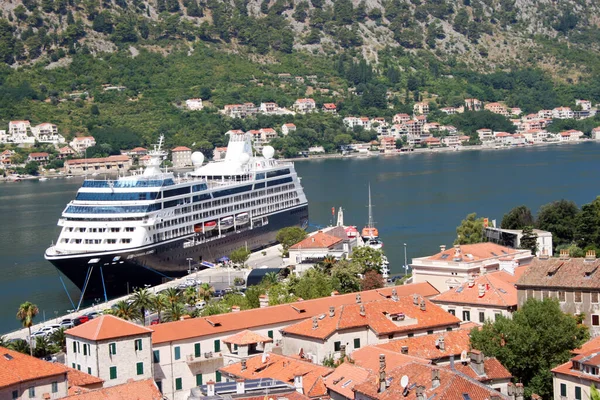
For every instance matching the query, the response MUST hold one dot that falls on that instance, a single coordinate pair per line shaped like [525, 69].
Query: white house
[562, 113]
[194, 104]
[269, 107]
[586, 105]
[596, 133]
[286, 129]
[79, 144]
[305, 105]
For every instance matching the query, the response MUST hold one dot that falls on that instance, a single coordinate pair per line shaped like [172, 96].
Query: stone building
[181, 157]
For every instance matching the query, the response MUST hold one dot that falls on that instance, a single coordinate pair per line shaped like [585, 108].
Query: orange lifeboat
[370, 232]
[208, 226]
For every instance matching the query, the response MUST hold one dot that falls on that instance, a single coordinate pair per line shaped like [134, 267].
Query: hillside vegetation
[374, 58]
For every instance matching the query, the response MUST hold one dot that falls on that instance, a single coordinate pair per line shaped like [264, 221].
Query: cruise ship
[149, 227]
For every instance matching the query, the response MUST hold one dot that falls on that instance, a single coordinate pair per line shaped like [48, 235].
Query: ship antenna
[370, 224]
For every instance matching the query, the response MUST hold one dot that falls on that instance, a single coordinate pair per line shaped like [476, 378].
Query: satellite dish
[404, 381]
[268, 152]
[197, 158]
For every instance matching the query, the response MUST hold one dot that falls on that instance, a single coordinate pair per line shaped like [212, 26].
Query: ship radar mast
[156, 157]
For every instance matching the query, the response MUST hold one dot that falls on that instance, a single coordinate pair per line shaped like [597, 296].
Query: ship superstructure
[144, 228]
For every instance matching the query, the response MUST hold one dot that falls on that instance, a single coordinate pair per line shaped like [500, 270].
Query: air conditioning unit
[208, 354]
[190, 357]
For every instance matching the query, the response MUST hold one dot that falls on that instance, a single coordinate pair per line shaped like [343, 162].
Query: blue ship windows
[260, 175]
[198, 188]
[89, 196]
[279, 172]
[129, 183]
[111, 209]
[176, 192]
[200, 197]
[229, 192]
[281, 181]
[260, 185]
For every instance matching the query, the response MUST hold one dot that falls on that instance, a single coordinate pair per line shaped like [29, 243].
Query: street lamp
[189, 260]
[405, 262]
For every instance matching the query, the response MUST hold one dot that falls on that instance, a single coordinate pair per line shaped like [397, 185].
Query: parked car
[93, 314]
[81, 320]
[50, 358]
[67, 323]
[200, 305]
[39, 333]
[219, 293]
[155, 321]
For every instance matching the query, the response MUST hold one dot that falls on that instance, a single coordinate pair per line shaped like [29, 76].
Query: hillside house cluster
[22, 133]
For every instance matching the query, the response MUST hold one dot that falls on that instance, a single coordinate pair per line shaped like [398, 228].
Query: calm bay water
[418, 199]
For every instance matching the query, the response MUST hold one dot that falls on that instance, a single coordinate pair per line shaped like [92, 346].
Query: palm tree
[270, 278]
[59, 338]
[142, 300]
[205, 291]
[42, 346]
[160, 304]
[3, 341]
[191, 295]
[175, 312]
[20, 345]
[123, 310]
[328, 263]
[26, 314]
[173, 296]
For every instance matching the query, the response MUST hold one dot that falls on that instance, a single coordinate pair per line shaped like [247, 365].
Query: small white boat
[226, 222]
[374, 243]
[42, 179]
[242, 219]
[69, 176]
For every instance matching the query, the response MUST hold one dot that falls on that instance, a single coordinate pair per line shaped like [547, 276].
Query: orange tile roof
[500, 290]
[376, 318]
[106, 327]
[319, 240]
[247, 337]
[567, 368]
[80, 379]
[280, 396]
[455, 342]
[591, 344]
[344, 378]
[181, 148]
[281, 368]
[558, 273]
[98, 160]
[368, 358]
[452, 384]
[81, 138]
[479, 251]
[491, 366]
[247, 319]
[42, 154]
[17, 367]
[137, 390]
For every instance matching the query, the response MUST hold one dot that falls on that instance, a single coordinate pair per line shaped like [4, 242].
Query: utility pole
[405, 261]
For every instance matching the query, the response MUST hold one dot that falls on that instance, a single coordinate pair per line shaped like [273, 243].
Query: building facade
[181, 157]
[110, 164]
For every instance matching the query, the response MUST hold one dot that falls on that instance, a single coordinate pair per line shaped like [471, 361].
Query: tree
[32, 168]
[175, 312]
[122, 309]
[559, 218]
[345, 276]
[594, 393]
[42, 346]
[470, 230]
[270, 279]
[240, 256]
[26, 314]
[367, 258]
[587, 225]
[59, 338]
[142, 300]
[529, 240]
[517, 218]
[191, 295]
[205, 291]
[172, 296]
[290, 236]
[537, 338]
[372, 280]
[159, 304]
[328, 263]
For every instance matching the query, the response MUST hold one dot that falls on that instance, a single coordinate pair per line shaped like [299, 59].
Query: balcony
[204, 357]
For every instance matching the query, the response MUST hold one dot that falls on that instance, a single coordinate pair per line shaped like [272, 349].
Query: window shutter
[140, 368]
[197, 350]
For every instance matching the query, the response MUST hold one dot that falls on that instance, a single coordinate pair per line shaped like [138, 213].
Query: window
[74, 347]
[466, 315]
[453, 312]
[545, 294]
[337, 346]
[78, 347]
[112, 348]
[156, 355]
[85, 352]
[530, 294]
[198, 379]
[178, 384]
[270, 334]
[15, 394]
[139, 368]
[73, 365]
[563, 390]
[31, 392]
[54, 387]
[411, 334]
[594, 297]
[449, 329]
[577, 392]
[138, 344]
[218, 376]
[561, 296]
[481, 316]
[197, 350]
[113, 372]
[577, 297]
[357, 343]
[217, 345]
[89, 370]
[78, 367]
[177, 353]
[595, 320]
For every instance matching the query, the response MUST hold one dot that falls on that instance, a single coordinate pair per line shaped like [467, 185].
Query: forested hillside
[371, 57]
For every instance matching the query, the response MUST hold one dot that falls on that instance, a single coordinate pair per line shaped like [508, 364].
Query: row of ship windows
[95, 241]
[100, 230]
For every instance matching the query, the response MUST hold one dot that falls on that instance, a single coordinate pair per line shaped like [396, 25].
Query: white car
[200, 305]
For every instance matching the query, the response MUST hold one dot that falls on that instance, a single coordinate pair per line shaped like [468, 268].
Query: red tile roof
[107, 327]
[196, 327]
[591, 344]
[181, 148]
[452, 384]
[319, 240]
[329, 106]
[247, 337]
[279, 396]
[345, 377]
[478, 251]
[17, 367]
[282, 368]
[455, 342]
[81, 379]
[97, 160]
[592, 357]
[368, 358]
[376, 317]
[82, 138]
[499, 286]
[562, 273]
[137, 390]
[42, 154]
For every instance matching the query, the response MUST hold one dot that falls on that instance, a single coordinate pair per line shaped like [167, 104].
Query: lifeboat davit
[208, 226]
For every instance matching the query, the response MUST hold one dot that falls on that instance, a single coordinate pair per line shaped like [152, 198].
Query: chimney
[519, 391]
[420, 392]
[235, 308]
[382, 384]
[590, 255]
[481, 290]
[315, 323]
[298, 384]
[243, 364]
[342, 352]
[422, 305]
[394, 295]
[471, 280]
[415, 299]
[263, 300]
[210, 388]
[332, 311]
[477, 362]
[441, 343]
[564, 254]
[358, 300]
[362, 310]
[442, 248]
[435, 377]
[240, 386]
[404, 350]
[457, 255]
[544, 255]
[511, 389]
[335, 293]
